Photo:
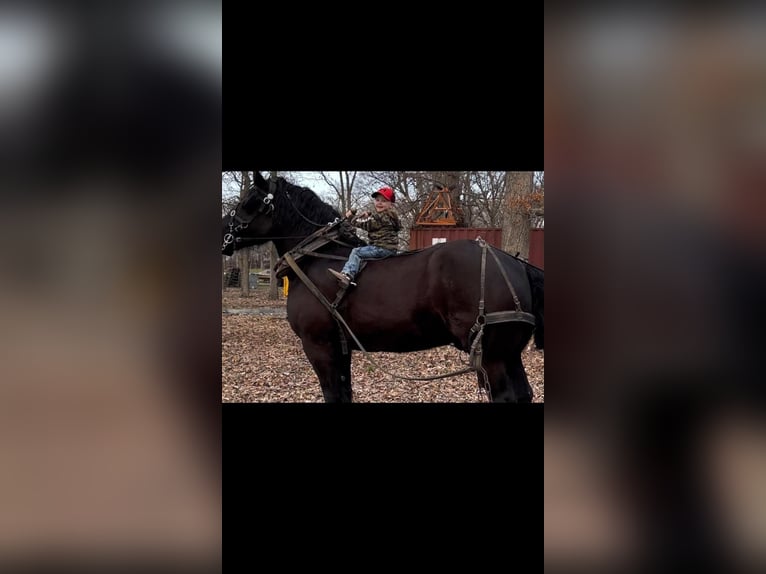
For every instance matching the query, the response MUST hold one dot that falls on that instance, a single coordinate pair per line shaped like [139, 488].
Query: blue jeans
[351, 268]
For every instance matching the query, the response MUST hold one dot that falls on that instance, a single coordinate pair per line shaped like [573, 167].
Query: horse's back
[446, 277]
[461, 262]
[422, 299]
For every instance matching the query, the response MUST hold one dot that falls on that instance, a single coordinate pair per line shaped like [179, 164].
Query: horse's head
[250, 222]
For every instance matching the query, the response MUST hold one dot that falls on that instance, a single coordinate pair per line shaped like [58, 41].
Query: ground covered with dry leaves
[263, 362]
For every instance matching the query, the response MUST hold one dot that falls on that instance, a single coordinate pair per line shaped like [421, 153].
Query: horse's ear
[259, 182]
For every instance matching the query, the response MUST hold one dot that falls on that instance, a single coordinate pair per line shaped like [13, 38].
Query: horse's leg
[333, 369]
[507, 381]
[517, 376]
[502, 362]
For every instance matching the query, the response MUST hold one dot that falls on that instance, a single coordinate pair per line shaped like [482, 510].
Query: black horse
[410, 302]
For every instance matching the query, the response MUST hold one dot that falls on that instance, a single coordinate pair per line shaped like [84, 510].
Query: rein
[311, 243]
[298, 211]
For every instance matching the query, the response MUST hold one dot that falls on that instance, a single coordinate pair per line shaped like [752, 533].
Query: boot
[342, 278]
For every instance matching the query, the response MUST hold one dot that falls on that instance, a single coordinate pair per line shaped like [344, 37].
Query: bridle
[238, 223]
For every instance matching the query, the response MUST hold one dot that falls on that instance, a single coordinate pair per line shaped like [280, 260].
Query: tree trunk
[454, 181]
[273, 291]
[244, 254]
[346, 185]
[518, 188]
[343, 187]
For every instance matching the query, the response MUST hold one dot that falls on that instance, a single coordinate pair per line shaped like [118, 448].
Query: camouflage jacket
[383, 229]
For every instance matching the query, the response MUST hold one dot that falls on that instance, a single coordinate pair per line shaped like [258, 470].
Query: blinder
[238, 223]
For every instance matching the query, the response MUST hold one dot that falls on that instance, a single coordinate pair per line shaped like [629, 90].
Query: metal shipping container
[421, 237]
[536, 244]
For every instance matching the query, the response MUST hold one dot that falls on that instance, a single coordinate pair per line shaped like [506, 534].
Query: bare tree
[484, 200]
[343, 187]
[518, 208]
[231, 184]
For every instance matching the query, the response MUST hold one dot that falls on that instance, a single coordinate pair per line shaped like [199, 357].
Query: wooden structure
[437, 222]
[437, 210]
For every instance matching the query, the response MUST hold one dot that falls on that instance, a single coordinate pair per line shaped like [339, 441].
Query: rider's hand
[351, 213]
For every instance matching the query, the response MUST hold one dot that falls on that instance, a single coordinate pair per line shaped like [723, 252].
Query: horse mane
[291, 201]
[302, 211]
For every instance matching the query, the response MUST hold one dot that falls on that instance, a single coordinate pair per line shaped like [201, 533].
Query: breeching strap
[483, 320]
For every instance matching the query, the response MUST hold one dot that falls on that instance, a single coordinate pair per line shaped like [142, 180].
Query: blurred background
[655, 138]
[110, 145]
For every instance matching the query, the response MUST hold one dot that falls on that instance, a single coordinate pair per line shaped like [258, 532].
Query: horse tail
[537, 284]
